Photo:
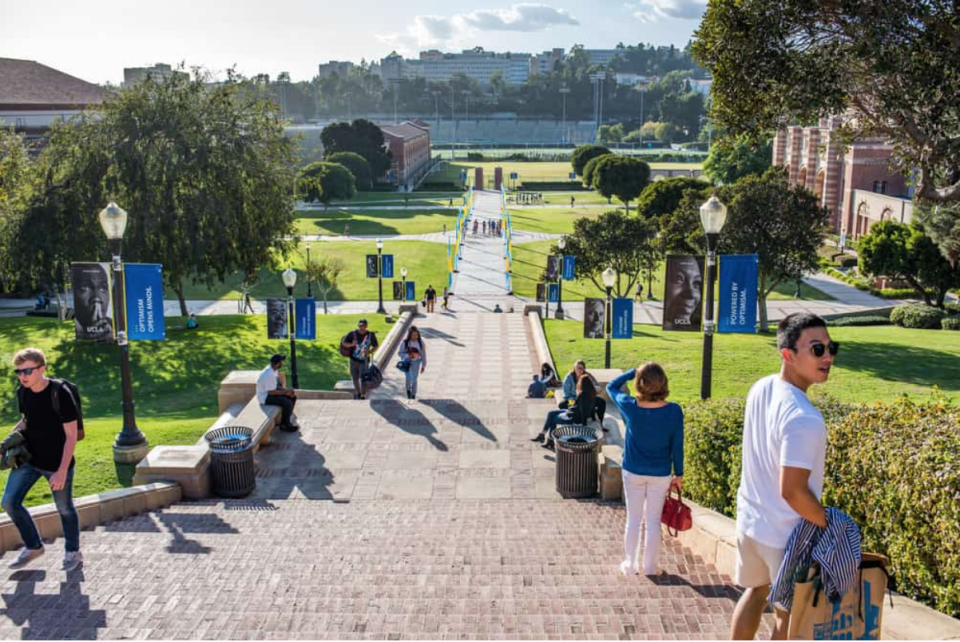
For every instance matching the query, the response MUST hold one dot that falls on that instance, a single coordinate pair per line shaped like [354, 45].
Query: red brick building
[856, 185]
[409, 142]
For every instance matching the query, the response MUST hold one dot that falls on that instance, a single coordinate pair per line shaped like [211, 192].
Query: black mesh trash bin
[576, 460]
[231, 461]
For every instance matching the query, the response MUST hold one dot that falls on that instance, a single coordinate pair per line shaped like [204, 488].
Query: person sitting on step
[578, 413]
[570, 391]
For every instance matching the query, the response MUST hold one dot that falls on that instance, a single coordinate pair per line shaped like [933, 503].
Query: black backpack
[72, 390]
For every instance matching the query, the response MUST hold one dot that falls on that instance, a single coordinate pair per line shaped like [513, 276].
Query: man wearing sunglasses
[50, 439]
[784, 448]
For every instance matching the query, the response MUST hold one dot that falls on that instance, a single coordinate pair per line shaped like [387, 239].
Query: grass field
[331, 222]
[416, 199]
[444, 152]
[426, 263]
[528, 171]
[530, 260]
[175, 381]
[877, 362]
[553, 220]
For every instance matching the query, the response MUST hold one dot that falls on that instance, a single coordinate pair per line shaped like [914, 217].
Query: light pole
[403, 283]
[609, 279]
[597, 81]
[642, 91]
[561, 243]
[453, 120]
[713, 214]
[309, 288]
[131, 445]
[349, 96]
[380, 308]
[290, 280]
[564, 90]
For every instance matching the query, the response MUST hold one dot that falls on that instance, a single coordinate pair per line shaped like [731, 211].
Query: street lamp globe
[113, 220]
[561, 243]
[609, 277]
[289, 278]
[713, 214]
[403, 273]
[379, 244]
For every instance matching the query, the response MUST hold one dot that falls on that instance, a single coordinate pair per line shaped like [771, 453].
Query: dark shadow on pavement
[289, 463]
[430, 333]
[49, 617]
[408, 419]
[457, 413]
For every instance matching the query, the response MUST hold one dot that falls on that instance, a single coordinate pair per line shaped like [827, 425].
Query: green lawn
[443, 151]
[417, 199]
[530, 260]
[426, 263]
[876, 362]
[375, 222]
[175, 381]
[554, 220]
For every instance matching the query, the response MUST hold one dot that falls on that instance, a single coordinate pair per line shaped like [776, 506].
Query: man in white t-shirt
[784, 447]
[272, 391]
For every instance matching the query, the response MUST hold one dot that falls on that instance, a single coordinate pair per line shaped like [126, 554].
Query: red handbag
[676, 515]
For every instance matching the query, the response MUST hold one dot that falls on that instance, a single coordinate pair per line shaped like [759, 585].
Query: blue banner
[411, 291]
[738, 293]
[569, 267]
[143, 288]
[554, 295]
[306, 319]
[386, 266]
[622, 319]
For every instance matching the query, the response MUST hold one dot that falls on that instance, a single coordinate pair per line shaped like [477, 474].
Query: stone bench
[611, 475]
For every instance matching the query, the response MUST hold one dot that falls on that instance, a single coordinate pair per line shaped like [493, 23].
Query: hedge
[947, 323]
[441, 186]
[885, 293]
[868, 319]
[917, 316]
[893, 467]
[567, 186]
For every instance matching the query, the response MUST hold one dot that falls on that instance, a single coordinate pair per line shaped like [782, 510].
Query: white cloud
[653, 10]
[454, 31]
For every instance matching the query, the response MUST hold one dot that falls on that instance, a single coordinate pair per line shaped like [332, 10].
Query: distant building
[601, 56]
[34, 96]
[133, 75]
[409, 143]
[544, 63]
[634, 80]
[480, 65]
[857, 186]
[702, 87]
[342, 69]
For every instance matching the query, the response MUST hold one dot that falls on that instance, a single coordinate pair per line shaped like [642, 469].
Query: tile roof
[25, 84]
[404, 130]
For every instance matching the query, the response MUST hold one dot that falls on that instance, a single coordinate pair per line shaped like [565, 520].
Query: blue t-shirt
[653, 444]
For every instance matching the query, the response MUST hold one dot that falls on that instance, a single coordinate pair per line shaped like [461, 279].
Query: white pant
[644, 496]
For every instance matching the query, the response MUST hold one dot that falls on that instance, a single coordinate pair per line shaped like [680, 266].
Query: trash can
[577, 447]
[231, 461]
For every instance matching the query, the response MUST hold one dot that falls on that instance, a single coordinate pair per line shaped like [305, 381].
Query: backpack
[72, 390]
[537, 390]
[371, 377]
[345, 351]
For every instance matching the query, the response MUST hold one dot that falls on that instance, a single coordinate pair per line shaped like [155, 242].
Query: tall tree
[625, 243]
[584, 154]
[205, 173]
[325, 273]
[662, 198]
[730, 160]
[361, 137]
[336, 182]
[942, 224]
[357, 165]
[892, 66]
[622, 176]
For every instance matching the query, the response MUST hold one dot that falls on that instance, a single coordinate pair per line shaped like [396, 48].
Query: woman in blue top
[570, 391]
[652, 459]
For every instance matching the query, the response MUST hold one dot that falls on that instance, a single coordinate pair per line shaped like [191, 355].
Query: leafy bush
[953, 308]
[847, 261]
[474, 156]
[913, 315]
[892, 467]
[950, 323]
[859, 321]
[544, 186]
[441, 186]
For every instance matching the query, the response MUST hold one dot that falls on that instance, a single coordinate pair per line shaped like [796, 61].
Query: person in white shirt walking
[272, 391]
[784, 449]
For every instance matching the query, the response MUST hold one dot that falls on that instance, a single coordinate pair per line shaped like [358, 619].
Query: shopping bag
[856, 616]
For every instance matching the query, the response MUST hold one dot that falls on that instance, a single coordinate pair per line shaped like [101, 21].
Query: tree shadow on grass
[901, 363]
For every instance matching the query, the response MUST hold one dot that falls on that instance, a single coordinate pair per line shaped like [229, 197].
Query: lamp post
[290, 280]
[609, 279]
[713, 214]
[564, 90]
[131, 445]
[380, 308]
[403, 283]
[309, 288]
[562, 243]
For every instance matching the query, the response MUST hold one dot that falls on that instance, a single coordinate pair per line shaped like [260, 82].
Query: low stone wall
[389, 344]
[714, 538]
[539, 338]
[93, 510]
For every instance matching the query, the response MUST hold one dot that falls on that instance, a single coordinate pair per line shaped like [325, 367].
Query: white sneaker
[627, 568]
[26, 556]
[72, 560]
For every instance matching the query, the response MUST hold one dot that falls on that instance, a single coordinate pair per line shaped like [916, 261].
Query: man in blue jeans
[50, 439]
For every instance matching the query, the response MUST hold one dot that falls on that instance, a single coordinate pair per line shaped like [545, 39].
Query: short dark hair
[790, 329]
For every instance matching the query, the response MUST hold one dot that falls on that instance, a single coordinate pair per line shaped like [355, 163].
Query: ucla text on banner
[622, 319]
[306, 316]
[93, 300]
[144, 300]
[554, 293]
[738, 293]
[411, 291]
[569, 267]
[683, 294]
[386, 266]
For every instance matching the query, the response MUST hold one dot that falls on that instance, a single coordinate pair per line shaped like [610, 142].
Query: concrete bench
[611, 475]
[239, 386]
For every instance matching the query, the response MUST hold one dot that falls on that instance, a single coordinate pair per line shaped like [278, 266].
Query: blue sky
[96, 39]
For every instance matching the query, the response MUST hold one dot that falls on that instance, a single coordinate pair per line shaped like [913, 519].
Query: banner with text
[386, 266]
[306, 319]
[569, 267]
[277, 318]
[411, 291]
[92, 300]
[683, 293]
[622, 319]
[553, 294]
[738, 293]
[144, 300]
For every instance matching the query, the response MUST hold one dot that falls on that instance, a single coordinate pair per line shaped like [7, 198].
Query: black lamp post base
[558, 315]
[130, 454]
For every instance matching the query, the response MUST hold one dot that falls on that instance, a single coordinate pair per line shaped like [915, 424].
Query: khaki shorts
[757, 564]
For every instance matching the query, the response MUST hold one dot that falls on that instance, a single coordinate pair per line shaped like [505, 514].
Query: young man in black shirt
[362, 344]
[50, 439]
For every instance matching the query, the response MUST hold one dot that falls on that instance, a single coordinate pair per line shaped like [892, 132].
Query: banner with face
[683, 293]
[276, 319]
[92, 300]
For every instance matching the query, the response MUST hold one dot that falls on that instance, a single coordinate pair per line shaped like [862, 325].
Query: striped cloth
[835, 548]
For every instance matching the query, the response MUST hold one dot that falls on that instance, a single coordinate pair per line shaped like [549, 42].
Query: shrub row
[567, 186]
[950, 323]
[917, 316]
[893, 467]
[441, 186]
[869, 319]
[885, 293]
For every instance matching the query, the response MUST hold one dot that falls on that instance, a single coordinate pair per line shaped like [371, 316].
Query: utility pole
[453, 120]
[597, 80]
[564, 90]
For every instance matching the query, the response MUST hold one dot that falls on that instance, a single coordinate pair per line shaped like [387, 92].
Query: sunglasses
[25, 372]
[818, 349]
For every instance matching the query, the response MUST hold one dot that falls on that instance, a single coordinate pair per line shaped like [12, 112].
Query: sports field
[527, 172]
[533, 151]
[384, 222]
